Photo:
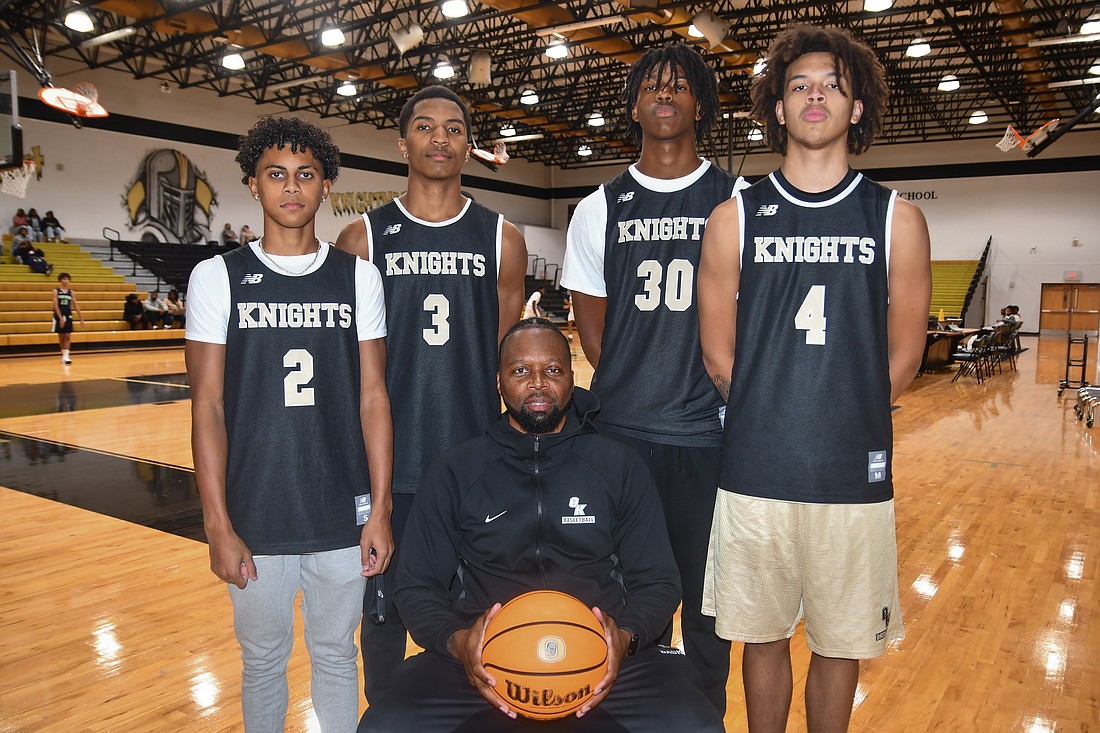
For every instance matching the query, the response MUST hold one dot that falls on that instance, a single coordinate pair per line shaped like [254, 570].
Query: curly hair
[854, 61]
[434, 92]
[665, 60]
[278, 132]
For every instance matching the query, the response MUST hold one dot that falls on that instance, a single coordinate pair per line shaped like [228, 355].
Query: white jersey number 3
[295, 391]
[440, 308]
[811, 316]
[678, 280]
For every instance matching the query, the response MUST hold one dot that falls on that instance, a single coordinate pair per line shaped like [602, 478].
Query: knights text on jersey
[809, 411]
[296, 455]
[442, 316]
[651, 380]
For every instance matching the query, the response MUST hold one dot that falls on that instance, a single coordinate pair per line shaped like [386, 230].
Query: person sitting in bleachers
[34, 221]
[19, 221]
[156, 310]
[25, 252]
[229, 237]
[52, 228]
[175, 310]
[133, 313]
[246, 235]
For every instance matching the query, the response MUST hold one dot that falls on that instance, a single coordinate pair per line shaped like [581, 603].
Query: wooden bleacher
[950, 282]
[26, 303]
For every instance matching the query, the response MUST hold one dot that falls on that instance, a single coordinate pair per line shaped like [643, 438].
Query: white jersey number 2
[295, 391]
[678, 282]
[811, 316]
[440, 308]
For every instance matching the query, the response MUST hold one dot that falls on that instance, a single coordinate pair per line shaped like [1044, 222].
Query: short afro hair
[665, 60]
[278, 132]
[854, 60]
[434, 92]
[529, 324]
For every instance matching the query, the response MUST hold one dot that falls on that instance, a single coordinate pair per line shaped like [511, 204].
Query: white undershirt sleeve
[582, 270]
[208, 302]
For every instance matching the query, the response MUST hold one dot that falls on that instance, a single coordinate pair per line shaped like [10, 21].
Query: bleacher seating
[26, 302]
[950, 281]
[172, 263]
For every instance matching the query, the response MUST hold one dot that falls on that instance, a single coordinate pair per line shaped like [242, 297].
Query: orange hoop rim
[70, 102]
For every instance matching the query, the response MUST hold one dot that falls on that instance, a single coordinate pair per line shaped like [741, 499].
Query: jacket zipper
[538, 523]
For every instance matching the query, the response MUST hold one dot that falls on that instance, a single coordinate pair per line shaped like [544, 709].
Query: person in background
[229, 237]
[531, 308]
[246, 235]
[25, 252]
[18, 221]
[174, 310]
[34, 221]
[52, 228]
[155, 309]
[64, 303]
[133, 313]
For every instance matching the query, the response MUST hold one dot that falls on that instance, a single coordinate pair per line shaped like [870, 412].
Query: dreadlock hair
[855, 62]
[665, 61]
[434, 92]
[278, 132]
[528, 324]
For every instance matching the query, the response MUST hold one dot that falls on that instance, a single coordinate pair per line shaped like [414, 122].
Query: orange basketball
[547, 652]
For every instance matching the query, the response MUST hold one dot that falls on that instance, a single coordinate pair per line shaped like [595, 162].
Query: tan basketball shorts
[771, 562]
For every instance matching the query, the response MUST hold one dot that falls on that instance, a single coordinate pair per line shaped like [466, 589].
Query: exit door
[1072, 307]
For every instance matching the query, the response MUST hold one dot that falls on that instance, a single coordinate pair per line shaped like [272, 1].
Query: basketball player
[291, 429]
[64, 301]
[452, 271]
[818, 280]
[631, 253]
[495, 518]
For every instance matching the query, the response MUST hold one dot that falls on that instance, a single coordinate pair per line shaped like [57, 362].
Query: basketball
[547, 652]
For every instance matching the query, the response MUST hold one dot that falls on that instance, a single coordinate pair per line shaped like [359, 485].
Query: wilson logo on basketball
[545, 698]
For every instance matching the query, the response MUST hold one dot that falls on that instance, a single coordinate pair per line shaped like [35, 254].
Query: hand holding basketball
[466, 645]
[617, 643]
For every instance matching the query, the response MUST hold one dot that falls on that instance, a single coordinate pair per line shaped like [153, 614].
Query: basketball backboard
[11, 132]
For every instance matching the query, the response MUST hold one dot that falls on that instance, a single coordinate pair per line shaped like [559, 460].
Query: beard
[537, 423]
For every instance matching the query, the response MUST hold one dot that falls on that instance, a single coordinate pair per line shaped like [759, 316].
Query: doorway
[1070, 307]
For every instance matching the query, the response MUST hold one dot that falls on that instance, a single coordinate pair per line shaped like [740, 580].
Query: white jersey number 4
[811, 316]
[295, 391]
[678, 285]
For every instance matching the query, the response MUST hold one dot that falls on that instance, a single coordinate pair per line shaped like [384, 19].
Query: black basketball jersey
[65, 302]
[442, 313]
[651, 380]
[296, 455]
[809, 411]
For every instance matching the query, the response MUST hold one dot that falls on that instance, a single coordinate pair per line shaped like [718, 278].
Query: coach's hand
[618, 641]
[465, 645]
[376, 545]
[230, 558]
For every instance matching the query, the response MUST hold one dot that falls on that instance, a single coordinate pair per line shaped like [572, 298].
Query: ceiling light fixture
[756, 134]
[949, 83]
[347, 89]
[79, 21]
[520, 138]
[978, 117]
[109, 37]
[918, 49]
[584, 151]
[1095, 68]
[233, 61]
[455, 8]
[596, 120]
[877, 6]
[713, 28]
[557, 50]
[694, 32]
[506, 130]
[409, 36]
[443, 68]
[529, 97]
[480, 68]
[1091, 26]
[760, 66]
[332, 37]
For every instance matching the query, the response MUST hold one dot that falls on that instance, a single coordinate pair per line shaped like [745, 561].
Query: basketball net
[1011, 140]
[15, 180]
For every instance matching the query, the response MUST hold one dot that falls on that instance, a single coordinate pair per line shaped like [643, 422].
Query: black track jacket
[506, 513]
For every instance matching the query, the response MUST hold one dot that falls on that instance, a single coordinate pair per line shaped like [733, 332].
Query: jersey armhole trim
[889, 229]
[370, 238]
[499, 241]
[740, 230]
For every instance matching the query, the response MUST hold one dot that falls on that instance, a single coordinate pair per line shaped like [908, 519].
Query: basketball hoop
[498, 156]
[15, 180]
[82, 101]
[1011, 140]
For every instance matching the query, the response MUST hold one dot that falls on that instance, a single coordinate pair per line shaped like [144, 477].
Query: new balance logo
[391, 229]
[252, 279]
[624, 197]
[768, 210]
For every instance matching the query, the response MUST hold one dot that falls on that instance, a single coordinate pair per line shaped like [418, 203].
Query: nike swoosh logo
[489, 519]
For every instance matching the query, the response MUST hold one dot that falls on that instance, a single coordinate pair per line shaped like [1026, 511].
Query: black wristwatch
[632, 647]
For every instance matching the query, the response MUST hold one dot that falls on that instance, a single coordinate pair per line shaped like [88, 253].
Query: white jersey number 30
[678, 282]
[811, 316]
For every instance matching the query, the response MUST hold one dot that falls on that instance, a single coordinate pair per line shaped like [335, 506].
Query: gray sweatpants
[263, 620]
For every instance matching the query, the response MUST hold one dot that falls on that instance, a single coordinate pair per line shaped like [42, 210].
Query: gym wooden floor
[110, 625]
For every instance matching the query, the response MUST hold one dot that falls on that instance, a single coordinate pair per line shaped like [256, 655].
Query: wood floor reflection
[108, 625]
